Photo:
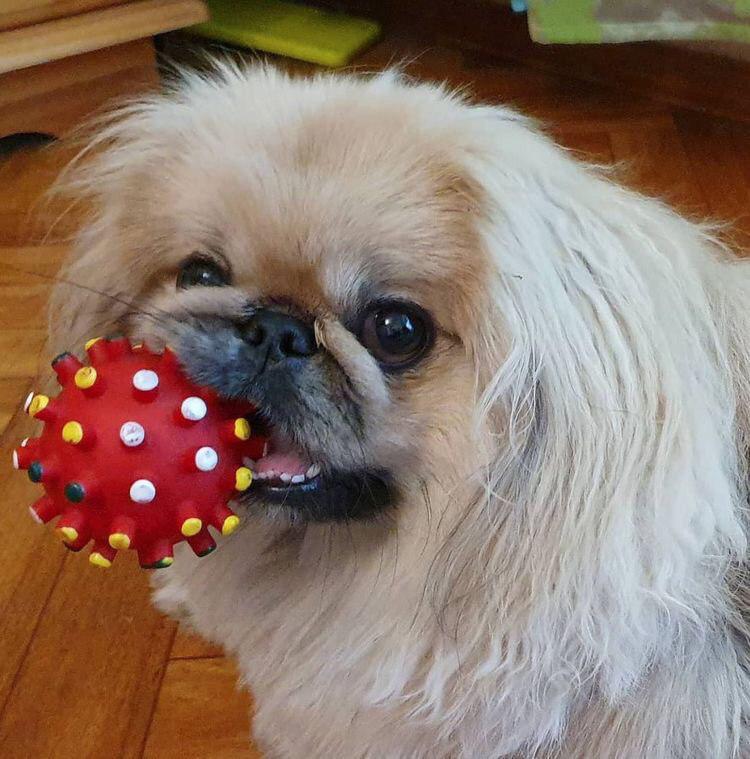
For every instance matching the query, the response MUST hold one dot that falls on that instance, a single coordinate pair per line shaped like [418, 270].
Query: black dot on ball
[35, 471]
[75, 492]
[59, 357]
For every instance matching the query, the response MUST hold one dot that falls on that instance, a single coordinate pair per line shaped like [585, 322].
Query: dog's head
[430, 304]
[310, 247]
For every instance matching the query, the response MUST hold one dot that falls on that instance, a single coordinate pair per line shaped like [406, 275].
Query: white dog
[504, 509]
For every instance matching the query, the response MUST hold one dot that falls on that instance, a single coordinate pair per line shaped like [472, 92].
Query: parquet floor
[87, 668]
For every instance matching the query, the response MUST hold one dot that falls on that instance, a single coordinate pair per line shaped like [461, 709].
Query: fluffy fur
[563, 574]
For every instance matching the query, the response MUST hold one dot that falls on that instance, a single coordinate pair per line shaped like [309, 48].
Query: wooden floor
[87, 668]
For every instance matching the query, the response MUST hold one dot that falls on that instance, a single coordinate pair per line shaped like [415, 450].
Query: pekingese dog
[504, 508]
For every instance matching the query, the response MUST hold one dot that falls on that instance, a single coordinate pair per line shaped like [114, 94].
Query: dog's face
[320, 262]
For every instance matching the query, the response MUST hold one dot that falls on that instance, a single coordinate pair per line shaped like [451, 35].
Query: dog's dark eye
[201, 272]
[397, 334]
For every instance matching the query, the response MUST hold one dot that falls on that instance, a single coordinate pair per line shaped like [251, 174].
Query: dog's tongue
[287, 462]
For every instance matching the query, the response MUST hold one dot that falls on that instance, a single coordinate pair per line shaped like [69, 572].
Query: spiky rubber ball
[133, 455]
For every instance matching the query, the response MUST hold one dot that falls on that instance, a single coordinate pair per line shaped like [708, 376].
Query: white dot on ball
[15, 459]
[142, 491]
[206, 459]
[145, 379]
[132, 434]
[194, 408]
[27, 402]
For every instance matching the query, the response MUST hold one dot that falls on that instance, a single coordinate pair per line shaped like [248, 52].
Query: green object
[35, 471]
[591, 21]
[74, 492]
[284, 28]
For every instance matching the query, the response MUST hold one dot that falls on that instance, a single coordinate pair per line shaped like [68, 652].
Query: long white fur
[573, 599]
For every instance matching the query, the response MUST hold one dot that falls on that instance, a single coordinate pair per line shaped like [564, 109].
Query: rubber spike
[122, 533]
[65, 365]
[74, 433]
[225, 520]
[236, 430]
[191, 411]
[84, 489]
[90, 343]
[42, 408]
[202, 543]
[188, 521]
[203, 459]
[39, 471]
[145, 384]
[89, 382]
[23, 456]
[102, 555]
[243, 478]
[77, 545]
[156, 555]
[72, 527]
[44, 510]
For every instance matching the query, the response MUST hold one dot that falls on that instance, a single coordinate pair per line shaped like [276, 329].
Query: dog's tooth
[249, 463]
[313, 471]
[297, 479]
[285, 477]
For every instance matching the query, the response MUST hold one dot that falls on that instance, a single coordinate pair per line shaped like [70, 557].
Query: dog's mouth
[282, 468]
[284, 476]
[314, 467]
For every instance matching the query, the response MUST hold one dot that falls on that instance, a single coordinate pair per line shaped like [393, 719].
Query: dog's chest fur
[346, 658]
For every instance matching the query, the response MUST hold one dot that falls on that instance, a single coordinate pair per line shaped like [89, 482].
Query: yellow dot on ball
[38, 403]
[119, 541]
[242, 429]
[167, 561]
[91, 342]
[191, 527]
[99, 561]
[72, 432]
[242, 478]
[85, 377]
[68, 534]
[231, 523]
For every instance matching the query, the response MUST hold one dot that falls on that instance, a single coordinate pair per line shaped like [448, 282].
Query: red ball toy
[134, 455]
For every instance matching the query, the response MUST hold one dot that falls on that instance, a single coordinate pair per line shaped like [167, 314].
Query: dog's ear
[613, 501]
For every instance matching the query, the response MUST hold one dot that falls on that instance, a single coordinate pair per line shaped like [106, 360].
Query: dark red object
[134, 455]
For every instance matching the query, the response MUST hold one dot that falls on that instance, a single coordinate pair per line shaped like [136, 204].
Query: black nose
[279, 335]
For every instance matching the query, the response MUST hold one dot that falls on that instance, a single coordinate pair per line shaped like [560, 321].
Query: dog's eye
[397, 334]
[201, 272]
